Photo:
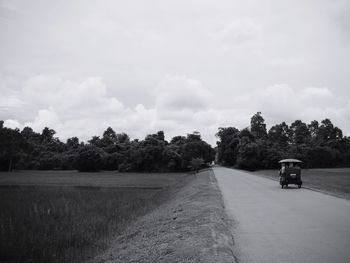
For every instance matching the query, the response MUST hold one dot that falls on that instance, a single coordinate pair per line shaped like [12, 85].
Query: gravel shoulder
[191, 226]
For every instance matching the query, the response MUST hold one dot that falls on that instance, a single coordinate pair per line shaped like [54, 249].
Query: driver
[283, 169]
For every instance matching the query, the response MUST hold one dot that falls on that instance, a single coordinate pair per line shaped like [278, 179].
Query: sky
[180, 66]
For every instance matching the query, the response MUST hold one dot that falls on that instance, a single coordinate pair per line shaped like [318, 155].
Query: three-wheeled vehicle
[290, 172]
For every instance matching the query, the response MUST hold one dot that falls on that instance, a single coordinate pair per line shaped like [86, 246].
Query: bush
[89, 159]
[197, 163]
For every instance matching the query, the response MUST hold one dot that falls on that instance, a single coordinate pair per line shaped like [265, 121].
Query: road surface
[284, 225]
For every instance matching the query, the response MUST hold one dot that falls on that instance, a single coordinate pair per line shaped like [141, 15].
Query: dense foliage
[27, 149]
[316, 144]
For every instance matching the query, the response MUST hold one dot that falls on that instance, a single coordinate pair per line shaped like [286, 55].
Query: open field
[335, 181]
[68, 216]
[101, 179]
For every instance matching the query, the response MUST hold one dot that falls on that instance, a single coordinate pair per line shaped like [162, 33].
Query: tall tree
[279, 134]
[299, 132]
[258, 126]
[12, 145]
[313, 128]
[227, 144]
[327, 131]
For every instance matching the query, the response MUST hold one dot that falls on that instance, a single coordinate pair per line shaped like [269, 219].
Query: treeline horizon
[28, 150]
[316, 144]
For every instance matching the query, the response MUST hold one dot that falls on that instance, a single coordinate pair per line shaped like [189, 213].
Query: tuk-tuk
[290, 172]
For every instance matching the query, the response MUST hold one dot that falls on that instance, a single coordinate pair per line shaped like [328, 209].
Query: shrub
[196, 164]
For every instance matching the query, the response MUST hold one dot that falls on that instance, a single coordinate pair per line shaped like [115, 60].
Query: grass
[191, 226]
[335, 181]
[102, 179]
[69, 216]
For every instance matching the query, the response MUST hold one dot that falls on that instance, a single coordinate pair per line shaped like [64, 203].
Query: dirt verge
[190, 227]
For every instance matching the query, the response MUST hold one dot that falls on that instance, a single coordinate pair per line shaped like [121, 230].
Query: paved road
[284, 225]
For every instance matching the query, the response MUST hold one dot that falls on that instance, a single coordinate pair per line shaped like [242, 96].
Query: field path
[284, 225]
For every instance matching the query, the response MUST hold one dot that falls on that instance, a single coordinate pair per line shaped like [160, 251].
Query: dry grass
[335, 181]
[192, 226]
[72, 219]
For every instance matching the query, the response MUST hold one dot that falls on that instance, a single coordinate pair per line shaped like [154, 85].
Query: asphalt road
[284, 225]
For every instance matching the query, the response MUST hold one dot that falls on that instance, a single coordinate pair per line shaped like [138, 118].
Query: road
[284, 225]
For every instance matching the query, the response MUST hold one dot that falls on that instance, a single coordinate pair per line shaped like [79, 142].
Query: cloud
[282, 102]
[13, 124]
[181, 105]
[181, 93]
[238, 31]
[9, 4]
[72, 108]
[287, 61]
[84, 108]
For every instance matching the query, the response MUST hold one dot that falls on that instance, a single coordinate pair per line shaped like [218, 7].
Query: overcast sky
[178, 66]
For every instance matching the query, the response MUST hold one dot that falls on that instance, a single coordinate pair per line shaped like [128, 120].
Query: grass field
[68, 216]
[335, 181]
[101, 179]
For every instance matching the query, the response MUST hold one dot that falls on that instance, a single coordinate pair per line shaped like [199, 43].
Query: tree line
[27, 149]
[317, 144]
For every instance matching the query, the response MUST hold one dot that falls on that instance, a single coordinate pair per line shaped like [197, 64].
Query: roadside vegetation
[316, 144]
[29, 150]
[71, 223]
[189, 227]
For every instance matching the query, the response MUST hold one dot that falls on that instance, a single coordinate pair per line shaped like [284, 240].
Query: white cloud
[181, 105]
[238, 31]
[181, 93]
[13, 124]
[287, 61]
[284, 103]
[317, 92]
[83, 109]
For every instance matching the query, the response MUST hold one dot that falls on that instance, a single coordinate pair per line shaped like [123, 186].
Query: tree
[248, 154]
[172, 157]
[47, 134]
[327, 131]
[299, 132]
[196, 164]
[258, 126]
[313, 128]
[12, 146]
[73, 142]
[178, 140]
[321, 156]
[109, 137]
[192, 137]
[122, 138]
[95, 141]
[227, 144]
[89, 159]
[279, 134]
[160, 135]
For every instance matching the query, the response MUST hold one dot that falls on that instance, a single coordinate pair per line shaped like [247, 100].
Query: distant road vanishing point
[284, 225]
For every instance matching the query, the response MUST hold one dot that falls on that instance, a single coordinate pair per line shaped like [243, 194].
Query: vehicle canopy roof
[290, 161]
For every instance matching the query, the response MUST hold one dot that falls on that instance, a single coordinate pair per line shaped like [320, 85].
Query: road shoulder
[192, 226]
